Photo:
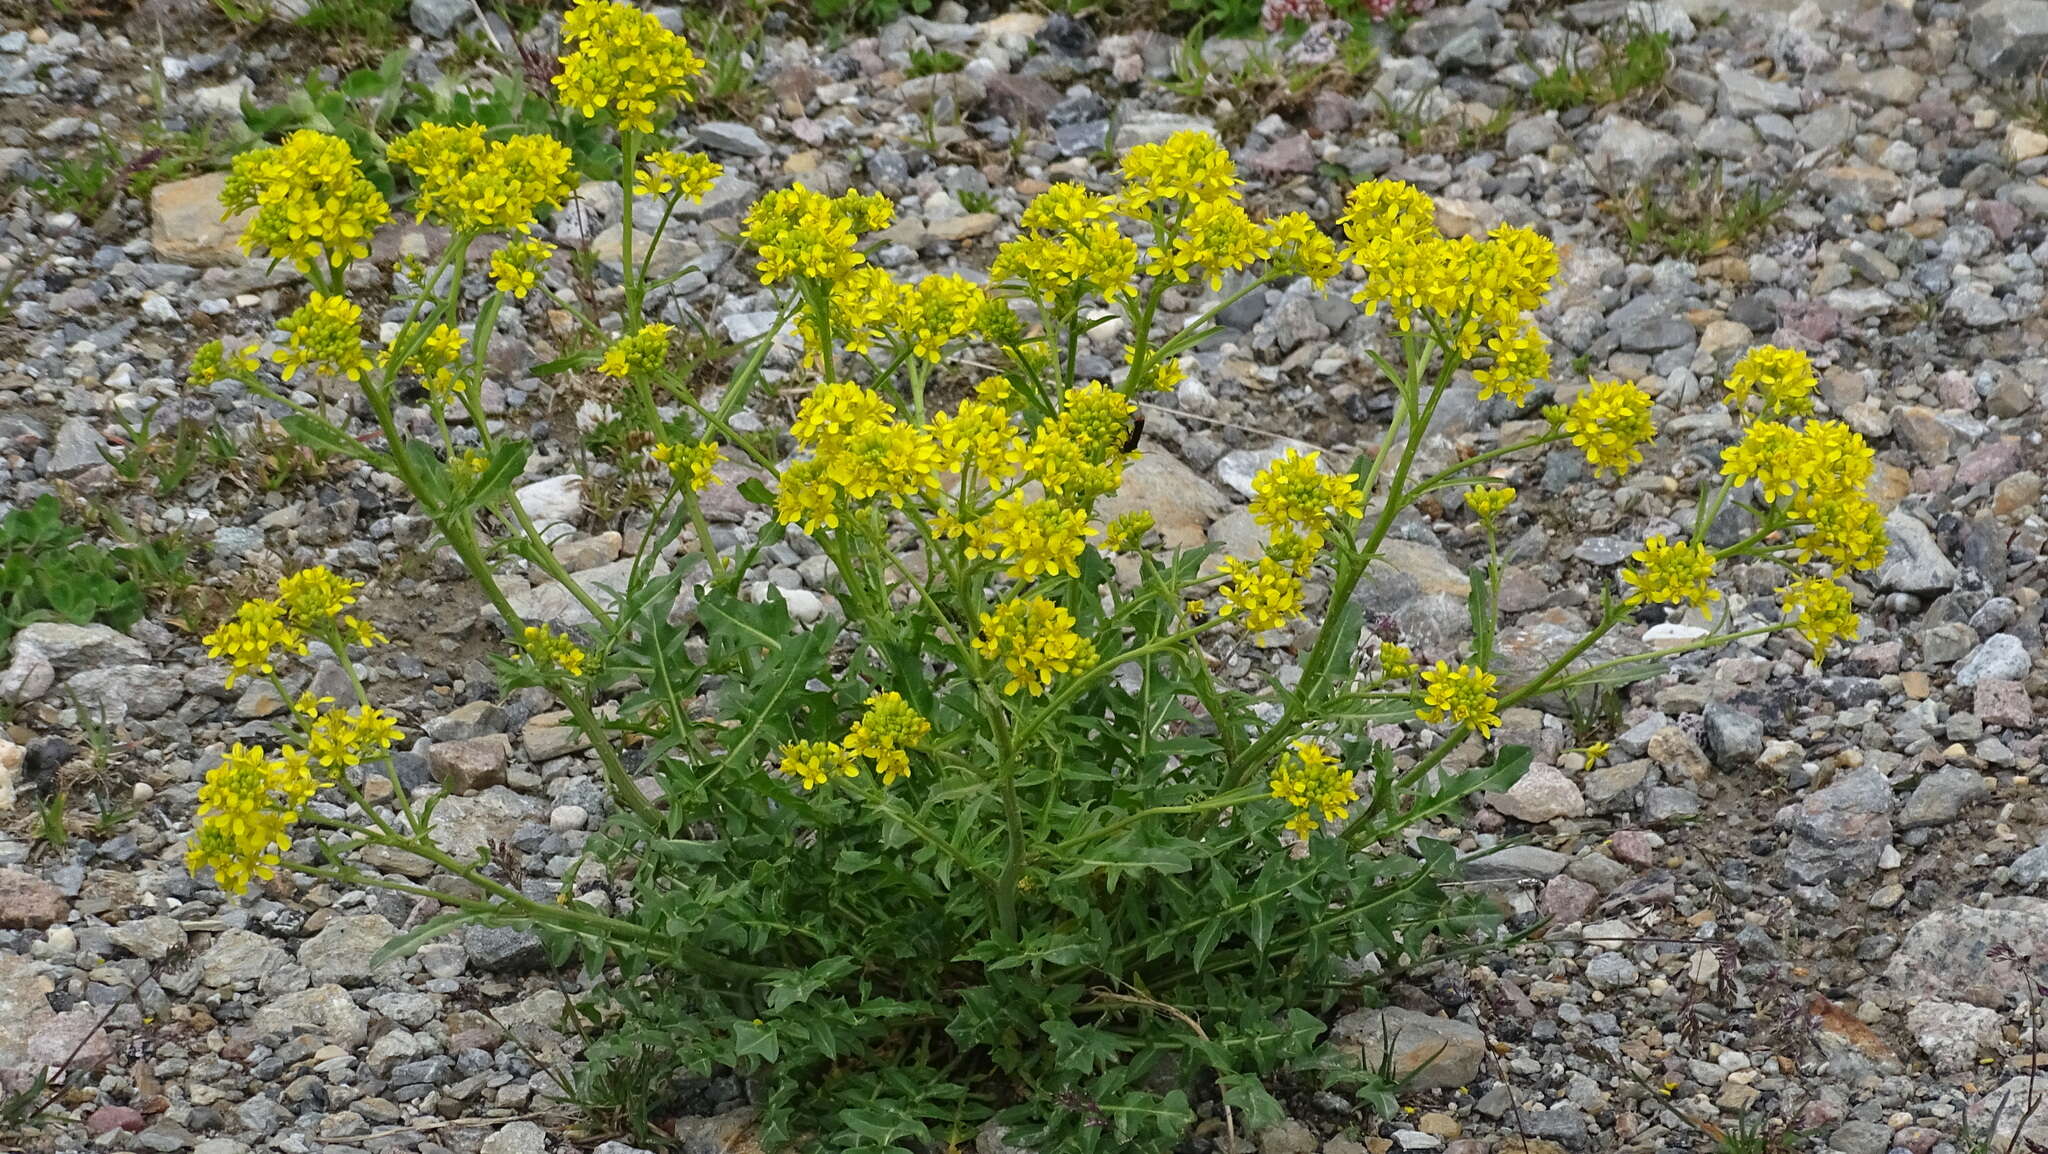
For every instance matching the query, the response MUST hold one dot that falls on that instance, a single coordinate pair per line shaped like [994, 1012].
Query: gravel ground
[1788, 900]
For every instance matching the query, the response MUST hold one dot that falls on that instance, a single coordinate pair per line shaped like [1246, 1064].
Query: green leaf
[432, 485]
[1247, 1093]
[1128, 855]
[750, 1040]
[1479, 606]
[438, 926]
[1082, 1049]
[507, 464]
[325, 438]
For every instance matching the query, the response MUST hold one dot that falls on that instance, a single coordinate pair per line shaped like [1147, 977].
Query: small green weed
[974, 200]
[1754, 1135]
[934, 62]
[375, 21]
[1636, 61]
[53, 828]
[372, 105]
[727, 40]
[247, 12]
[85, 184]
[1698, 215]
[48, 572]
[164, 459]
[857, 14]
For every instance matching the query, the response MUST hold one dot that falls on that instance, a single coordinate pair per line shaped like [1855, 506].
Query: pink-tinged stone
[1632, 847]
[110, 1118]
[1567, 899]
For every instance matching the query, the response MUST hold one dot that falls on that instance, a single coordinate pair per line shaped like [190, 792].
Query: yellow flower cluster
[1672, 573]
[252, 638]
[1477, 292]
[435, 360]
[1215, 237]
[622, 61]
[246, 805]
[1521, 357]
[979, 440]
[859, 450]
[550, 650]
[1783, 378]
[1488, 502]
[249, 801]
[313, 205]
[1078, 454]
[309, 601]
[1186, 188]
[1089, 258]
[515, 268]
[685, 175]
[345, 738]
[1187, 166]
[1125, 533]
[637, 354]
[1463, 695]
[311, 597]
[1821, 611]
[1396, 661]
[689, 464]
[885, 732]
[474, 185]
[1308, 778]
[1818, 475]
[212, 362]
[1267, 592]
[325, 335]
[1610, 422]
[1034, 639]
[937, 311]
[814, 763]
[1033, 538]
[801, 233]
[1294, 495]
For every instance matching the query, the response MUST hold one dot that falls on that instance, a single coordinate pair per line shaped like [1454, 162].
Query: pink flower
[1276, 13]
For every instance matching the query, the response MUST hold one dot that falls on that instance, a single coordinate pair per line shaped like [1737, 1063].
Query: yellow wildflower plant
[550, 650]
[1121, 776]
[1191, 167]
[1488, 502]
[214, 363]
[816, 763]
[886, 733]
[314, 597]
[798, 233]
[1294, 493]
[637, 354]
[254, 638]
[1822, 612]
[684, 175]
[1397, 662]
